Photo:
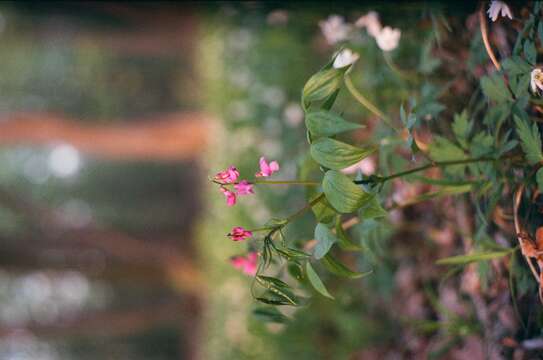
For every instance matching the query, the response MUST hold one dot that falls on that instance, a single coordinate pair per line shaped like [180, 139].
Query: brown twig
[518, 229]
[484, 34]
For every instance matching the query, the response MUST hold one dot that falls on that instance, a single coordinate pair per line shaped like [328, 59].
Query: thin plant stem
[484, 34]
[382, 179]
[288, 182]
[367, 104]
[395, 69]
[308, 206]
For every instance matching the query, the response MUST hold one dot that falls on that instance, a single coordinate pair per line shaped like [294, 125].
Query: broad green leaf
[337, 155]
[344, 195]
[325, 239]
[336, 267]
[322, 85]
[343, 239]
[466, 259]
[316, 281]
[372, 209]
[269, 314]
[326, 123]
[539, 179]
[494, 88]
[530, 140]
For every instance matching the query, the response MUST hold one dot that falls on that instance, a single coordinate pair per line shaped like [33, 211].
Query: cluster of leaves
[483, 158]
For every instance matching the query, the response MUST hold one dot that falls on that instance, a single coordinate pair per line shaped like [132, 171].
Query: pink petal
[274, 166]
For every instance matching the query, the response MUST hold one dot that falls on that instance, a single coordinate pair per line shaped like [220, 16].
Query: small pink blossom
[230, 196]
[227, 176]
[267, 169]
[238, 233]
[244, 188]
[248, 264]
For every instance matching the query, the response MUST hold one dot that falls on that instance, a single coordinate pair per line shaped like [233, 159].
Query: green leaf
[325, 239]
[372, 209]
[336, 267]
[278, 289]
[272, 280]
[270, 315]
[461, 128]
[530, 52]
[323, 211]
[316, 281]
[466, 259]
[343, 240]
[337, 155]
[326, 123]
[530, 140]
[516, 65]
[344, 195]
[539, 179]
[494, 88]
[322, 85]
[444, 150]
[274, 302]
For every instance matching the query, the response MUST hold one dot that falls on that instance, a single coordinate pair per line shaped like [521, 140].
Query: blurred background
[112, 240]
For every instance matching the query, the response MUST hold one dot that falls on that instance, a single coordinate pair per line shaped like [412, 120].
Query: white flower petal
[388, 38]
[345, 58]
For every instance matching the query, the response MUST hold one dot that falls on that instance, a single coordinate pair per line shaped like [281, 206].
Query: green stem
[367, 104]
[287, 182]
[308, 206]
[429, 166]
[395, 69]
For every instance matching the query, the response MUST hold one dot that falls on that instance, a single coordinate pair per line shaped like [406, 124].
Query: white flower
[496, 7]
[345, 58]
[388, 38]
[371, 22]
[536, 80]
[335, 29]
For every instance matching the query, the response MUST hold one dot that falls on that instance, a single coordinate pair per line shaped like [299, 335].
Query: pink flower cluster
[243, 187]
[238, 233]
[248, 264]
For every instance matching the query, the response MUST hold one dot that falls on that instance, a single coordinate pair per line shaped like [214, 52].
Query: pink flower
[244, 188]
[267, 169]
[248, 264]
[227, 176]
[238, 233]
[230, 196]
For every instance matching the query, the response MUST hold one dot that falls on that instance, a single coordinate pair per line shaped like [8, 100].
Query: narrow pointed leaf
[343, 239]
[466, 259]
[338, 268]
[316, 281]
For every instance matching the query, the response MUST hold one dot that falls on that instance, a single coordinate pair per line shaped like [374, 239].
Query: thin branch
[484, 34]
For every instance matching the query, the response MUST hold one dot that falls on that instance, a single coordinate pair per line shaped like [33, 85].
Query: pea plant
[490, 152]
